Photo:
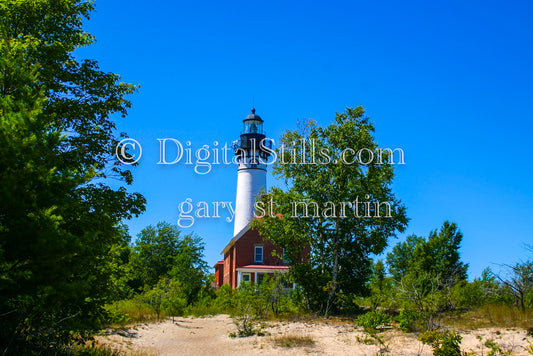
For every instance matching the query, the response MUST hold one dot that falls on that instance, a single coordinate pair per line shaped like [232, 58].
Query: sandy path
[209, 336]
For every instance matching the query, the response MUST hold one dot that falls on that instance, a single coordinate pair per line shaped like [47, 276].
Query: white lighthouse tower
[251, 157]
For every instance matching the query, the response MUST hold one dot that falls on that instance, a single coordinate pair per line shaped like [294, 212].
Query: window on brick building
[258, 254]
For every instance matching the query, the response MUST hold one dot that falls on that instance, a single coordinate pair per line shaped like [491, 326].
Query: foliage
[58, 217]
[156, 296]
[249, 310]
[160, 252]
[519, 283]
[495, 349]
[372, 320]
[175, 300]
[251, 303]
[120, 270]
[410, 319]
[381, 286]
[438, 255]
[479, 292]
[154, 253]
[248, 324]
[339, 243]
[134, 310]
[429, 277]
[273, 293]
[224, 297]
[444, 343]
[422, 297]
[190, 269]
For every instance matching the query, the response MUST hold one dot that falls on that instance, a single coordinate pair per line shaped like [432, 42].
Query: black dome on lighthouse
[253, 116]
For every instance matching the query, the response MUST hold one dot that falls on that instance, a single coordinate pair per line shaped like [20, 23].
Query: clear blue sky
[448, 82]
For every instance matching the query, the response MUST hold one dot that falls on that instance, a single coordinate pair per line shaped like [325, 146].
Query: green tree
[58, 217]
[174, 302]
[427, 275]
[519, 282]
[339, 163]
[156, 295]
[482, 290]
[160, 252]
[438, 255]
[118, 263]
[401, 258]
[189, 267]
[380, 285]
[154, 253]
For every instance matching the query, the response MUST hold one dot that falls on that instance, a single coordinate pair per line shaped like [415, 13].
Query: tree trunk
[333, 291]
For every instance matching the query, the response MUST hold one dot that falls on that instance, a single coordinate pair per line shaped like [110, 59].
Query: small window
[258, 255]
[260, 277]
[246, 277]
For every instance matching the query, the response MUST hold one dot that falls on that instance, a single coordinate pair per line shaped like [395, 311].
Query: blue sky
[448, 82]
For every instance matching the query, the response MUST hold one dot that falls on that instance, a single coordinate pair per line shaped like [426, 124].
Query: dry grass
[294, 341]
[131, 312]
[492, 316]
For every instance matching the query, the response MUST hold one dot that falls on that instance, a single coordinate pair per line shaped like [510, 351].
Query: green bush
[444, 343]
[372, 320]
[410, 320]
[248, 324]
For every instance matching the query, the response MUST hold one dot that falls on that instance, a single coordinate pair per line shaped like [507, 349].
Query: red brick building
[248, 258]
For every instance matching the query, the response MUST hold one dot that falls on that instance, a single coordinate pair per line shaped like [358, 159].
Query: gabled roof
[235, 238]
[221, 262]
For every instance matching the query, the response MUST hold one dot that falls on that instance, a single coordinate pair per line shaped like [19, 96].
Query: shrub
[372, 320]
[224, 297]
[410, 320]
[248, 324]
[135, 310]
[445, 343]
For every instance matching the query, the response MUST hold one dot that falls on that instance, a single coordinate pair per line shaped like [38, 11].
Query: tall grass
[492, 315]
[92, 350]
[203, 309]
[290, 340]
[125, 312]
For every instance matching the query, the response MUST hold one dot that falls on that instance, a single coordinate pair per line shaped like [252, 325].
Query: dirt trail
[209, 336]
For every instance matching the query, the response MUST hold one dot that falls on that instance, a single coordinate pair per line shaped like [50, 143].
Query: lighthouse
[247, 256]
[252, 152]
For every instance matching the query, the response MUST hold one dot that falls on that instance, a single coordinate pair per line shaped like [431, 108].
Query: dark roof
[253, 116]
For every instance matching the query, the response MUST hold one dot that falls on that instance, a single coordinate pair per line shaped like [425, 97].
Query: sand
[209, 336]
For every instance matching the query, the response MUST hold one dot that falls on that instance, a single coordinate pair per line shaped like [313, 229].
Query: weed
[444, 343]
[294, 341]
